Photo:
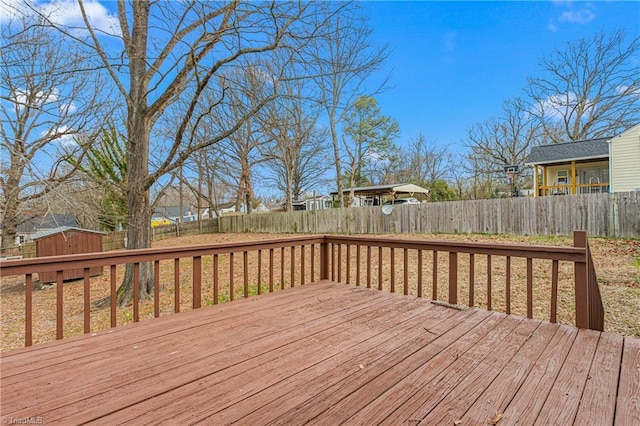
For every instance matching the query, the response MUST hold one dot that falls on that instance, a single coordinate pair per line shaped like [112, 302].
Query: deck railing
[266, 266]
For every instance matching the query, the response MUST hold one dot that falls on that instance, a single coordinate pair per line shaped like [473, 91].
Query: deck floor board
[327, 353]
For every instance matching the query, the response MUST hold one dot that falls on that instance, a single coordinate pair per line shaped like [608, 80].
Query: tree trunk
[11, 204]
[138, 129]
[10, 222]
[336, 158]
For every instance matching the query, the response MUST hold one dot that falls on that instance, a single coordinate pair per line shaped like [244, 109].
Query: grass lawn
[617, 264]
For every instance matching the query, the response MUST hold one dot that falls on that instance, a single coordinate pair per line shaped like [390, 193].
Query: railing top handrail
[573, 254]
[86, 260]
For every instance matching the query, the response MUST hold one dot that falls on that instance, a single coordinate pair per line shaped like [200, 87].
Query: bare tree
[344, 60]
[503, 141]
[49, 108]
[589, 88]
[171, 51]
[427, 162]
[295, 152]
[240, 152]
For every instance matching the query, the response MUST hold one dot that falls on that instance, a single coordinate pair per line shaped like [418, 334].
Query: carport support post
[580, 282]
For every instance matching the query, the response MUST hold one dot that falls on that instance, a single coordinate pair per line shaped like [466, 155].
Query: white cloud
[63, 135]
[629, 90]
[67, 12]
[579, 16]
[582, 16]
[558, 106]
[64, 12]
[23, 97]
[10, 9]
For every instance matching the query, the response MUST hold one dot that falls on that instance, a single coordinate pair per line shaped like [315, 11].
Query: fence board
[605, 215]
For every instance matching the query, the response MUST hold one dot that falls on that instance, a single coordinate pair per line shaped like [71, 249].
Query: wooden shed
[67, 240]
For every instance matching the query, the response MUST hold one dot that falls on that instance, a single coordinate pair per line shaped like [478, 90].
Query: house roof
[61, 229]
[396, 188]
[577, 150]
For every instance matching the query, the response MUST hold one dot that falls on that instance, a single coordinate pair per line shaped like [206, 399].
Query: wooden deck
[328, 353]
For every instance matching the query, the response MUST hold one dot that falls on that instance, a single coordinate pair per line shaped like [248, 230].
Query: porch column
[535, 180]
[573, 178]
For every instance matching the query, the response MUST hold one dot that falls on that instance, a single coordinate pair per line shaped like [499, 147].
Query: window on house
[563, 177]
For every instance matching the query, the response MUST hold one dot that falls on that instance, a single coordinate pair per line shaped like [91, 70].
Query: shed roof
[577, 150]
[61, 229]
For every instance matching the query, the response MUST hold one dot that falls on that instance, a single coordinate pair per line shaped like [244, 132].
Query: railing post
[324, 260]
[581, 281]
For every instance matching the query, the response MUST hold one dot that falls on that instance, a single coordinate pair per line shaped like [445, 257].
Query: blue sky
[454, 63]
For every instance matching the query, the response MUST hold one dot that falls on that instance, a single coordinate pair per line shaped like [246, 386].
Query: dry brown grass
[617, 265]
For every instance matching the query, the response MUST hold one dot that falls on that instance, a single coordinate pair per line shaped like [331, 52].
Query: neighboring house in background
[624, 155]
[588, 166]
[319, 202]
[29, 227]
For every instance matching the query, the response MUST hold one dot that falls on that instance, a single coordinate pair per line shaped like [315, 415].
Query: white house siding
[625, 160]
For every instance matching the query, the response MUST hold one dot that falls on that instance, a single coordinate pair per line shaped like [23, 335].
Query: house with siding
[588, 166]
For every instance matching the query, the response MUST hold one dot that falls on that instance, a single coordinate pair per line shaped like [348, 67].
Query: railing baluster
[435, 276]
[28, 310]
[176, 285]
[156, 288]
[508, 286]
[393, 270]
[419, 273]
[554, 290]
[59, 305]
[368, 266]
[453, 278]
[136, 292]
[86, 293]
[358, 265]
[270, 270]
[529, 287]
[313, 262]
[245, 274]
[231, 289]
[216, 279]
[282, 268]
[347, 279]
[489, 279]
[405, 267]
[259, 271]
[379, 267]
[293, 266]
[472, 279]
[114, 296]
[333, 263]
[340, 263]
[302, 268]
[197, 282]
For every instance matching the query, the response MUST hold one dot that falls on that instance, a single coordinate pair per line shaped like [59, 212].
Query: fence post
[324, 259]
[581, 283]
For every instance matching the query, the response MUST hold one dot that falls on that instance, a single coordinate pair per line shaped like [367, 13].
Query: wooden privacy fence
[267, 266]
[605, 215]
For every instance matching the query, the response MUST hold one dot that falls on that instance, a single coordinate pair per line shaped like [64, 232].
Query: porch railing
[584, 188]
[265, 266]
